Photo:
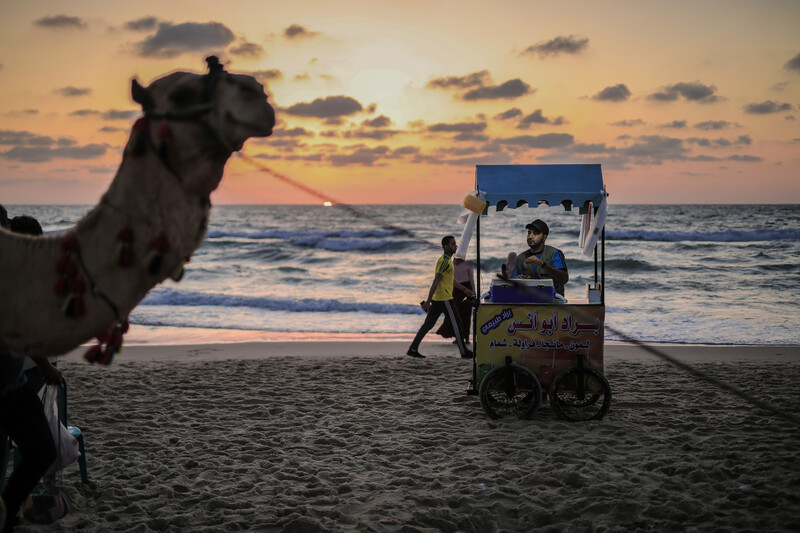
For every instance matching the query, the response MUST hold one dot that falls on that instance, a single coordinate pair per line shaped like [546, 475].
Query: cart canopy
[516, 185]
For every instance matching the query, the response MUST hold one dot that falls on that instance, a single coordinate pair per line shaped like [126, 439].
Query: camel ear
[140, 95]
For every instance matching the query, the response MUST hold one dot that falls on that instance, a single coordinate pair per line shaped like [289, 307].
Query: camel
[58, 292]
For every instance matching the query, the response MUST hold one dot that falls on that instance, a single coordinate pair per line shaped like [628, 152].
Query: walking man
[440, 300]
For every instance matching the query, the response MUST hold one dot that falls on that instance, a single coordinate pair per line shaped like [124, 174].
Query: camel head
[204, 115]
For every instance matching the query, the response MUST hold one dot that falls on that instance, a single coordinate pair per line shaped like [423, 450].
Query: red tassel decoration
[160, 246]
[123, 253]
[78, 286]
[70, 244]
[62, 286]
[164, 131]
[106, 357]
[78, 307]
[103, 336]
[93, 353]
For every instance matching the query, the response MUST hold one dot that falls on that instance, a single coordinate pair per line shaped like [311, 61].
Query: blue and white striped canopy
[513, 186]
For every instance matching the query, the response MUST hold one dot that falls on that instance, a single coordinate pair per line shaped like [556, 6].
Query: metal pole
[474, 389]
[603, 266]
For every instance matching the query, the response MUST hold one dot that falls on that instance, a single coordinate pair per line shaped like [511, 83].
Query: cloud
[378, 122]
[40, 154]
[285, 144]
[709, 125]
[171, 40]
[746, 158]
[405, 150]
[616, 93]
[302, 77]
[538, 118]
[559, 45]
[327, 108]
[468, 136]
[596, 148]
[766, 108]
[267, 75]
[741, 140]
[360, 156]
[295, 31]
[479, 79]
[545, 140]
[119, 114]
[793, 64]
[676, 124]
[247, 49]
[293, 132]
[61, 22]
[111, 114]
[629, 123]
[378, 135]
[460, 127]
[142, 24]
[654, 149]
[508, 90]
[73, 91]
[13, 137]
[21, 112]
[693, 92]
[514, 112]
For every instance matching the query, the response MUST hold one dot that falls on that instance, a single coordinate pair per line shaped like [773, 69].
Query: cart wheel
[579, 394]
[511, 389]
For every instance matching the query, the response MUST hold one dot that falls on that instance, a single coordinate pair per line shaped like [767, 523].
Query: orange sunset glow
[396, 102]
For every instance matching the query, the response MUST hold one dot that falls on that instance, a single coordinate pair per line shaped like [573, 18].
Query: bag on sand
[66, 445]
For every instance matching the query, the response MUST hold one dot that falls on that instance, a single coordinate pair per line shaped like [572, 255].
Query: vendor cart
[530, 346]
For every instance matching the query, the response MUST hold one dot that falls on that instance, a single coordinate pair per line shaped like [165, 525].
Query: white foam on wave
[730, 235]
[172, 297]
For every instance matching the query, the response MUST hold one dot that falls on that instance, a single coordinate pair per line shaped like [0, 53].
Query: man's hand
[533, 260]
[426, 306]
[468, 291]
[50, 374]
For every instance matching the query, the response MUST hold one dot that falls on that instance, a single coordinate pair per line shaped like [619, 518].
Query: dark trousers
[22, 418]
[435, 311]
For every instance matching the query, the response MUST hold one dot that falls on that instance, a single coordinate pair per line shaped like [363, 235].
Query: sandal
[46, 508]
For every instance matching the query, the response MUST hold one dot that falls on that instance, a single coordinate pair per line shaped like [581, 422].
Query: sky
[396, 102]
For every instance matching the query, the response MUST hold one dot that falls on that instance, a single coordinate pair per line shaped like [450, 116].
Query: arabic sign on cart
[544, 338]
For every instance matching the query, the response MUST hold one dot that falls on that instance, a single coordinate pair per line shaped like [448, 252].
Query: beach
[355, 436]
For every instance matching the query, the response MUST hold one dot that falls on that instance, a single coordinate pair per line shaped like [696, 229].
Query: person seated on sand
[22, 418]
[3, 217]
[540, 260]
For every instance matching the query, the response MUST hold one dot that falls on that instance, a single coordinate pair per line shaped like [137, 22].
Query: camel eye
[183, 97]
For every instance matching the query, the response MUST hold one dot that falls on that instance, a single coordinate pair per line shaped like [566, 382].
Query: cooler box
[523, 291]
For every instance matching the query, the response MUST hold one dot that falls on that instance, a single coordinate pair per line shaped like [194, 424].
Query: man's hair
[446, 239]
[26, 225]
[3, 217]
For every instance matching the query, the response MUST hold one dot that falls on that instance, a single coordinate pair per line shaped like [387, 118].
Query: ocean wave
[370, 240]
[730, 235]
[289, 235]
[308, 305]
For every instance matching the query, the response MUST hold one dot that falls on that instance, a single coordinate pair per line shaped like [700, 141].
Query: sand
[354, 436]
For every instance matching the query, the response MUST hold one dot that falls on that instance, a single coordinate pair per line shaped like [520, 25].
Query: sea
[683, 274]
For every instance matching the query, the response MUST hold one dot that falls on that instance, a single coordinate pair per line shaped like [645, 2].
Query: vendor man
[541, 260]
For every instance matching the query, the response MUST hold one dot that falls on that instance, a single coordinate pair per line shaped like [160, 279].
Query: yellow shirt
[444, 291]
